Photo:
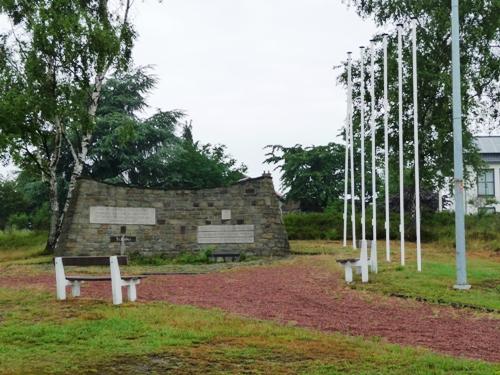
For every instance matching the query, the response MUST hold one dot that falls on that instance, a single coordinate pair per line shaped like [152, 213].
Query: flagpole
[416, 144]
[373, 254]
[346, 167]
[351, 139]
[461, 263]
[386, 157]
[364, 251]
[401, 144]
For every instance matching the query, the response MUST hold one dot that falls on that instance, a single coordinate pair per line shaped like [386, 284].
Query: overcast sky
[250, 73]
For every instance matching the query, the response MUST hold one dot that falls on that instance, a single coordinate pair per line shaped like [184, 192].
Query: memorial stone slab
[123, 215]
[226, 234]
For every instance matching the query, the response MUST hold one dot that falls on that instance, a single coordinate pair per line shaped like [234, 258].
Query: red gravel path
[312, 297]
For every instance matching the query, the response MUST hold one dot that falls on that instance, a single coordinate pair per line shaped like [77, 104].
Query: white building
[484, 194]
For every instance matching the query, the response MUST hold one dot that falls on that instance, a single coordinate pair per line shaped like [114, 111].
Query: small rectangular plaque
[226, 214]
[123, 215]
[223, 234]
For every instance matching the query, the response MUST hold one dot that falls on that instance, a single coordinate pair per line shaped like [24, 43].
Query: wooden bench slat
[86, 261]
[351, 260]
[100, 278]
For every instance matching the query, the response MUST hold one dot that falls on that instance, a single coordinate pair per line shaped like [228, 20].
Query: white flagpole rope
[386, 157]
[364, 251]
[415, 132]
[401, 145]
[346, 168]
[373, 254]
[351, 139]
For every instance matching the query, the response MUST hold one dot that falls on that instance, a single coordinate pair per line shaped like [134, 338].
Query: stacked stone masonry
[184, 220]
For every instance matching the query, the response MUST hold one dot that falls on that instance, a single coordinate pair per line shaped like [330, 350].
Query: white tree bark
[80, 156]
[53, 187]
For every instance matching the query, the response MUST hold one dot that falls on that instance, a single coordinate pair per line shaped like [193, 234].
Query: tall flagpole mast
[346, 168]
[401, 145]
[351, 139]
[373, 254]
[364, 250]
[457, 143]
[415, 134]
[386, 157]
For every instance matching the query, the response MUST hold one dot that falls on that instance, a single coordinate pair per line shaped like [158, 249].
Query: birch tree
[53, 63]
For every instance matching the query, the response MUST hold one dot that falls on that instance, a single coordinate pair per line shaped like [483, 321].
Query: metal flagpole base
[461, 287]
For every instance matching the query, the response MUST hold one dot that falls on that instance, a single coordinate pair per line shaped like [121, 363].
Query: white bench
[117, 281]
[359, 265]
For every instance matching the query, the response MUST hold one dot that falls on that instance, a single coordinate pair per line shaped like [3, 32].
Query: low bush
[201, 257]
[15, 239]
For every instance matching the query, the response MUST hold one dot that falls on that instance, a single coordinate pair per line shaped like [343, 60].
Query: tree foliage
[24, 202]
[312, 176]
[53, 63]
[158, 151]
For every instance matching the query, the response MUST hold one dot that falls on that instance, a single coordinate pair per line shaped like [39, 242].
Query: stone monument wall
[105, 219]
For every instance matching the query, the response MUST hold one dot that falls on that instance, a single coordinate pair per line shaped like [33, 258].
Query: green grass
[433, 284]
[21, 244]
[42, 336]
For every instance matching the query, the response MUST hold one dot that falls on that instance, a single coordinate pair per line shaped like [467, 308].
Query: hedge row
[434, 226]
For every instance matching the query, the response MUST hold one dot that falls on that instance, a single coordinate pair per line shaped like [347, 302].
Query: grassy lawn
[434, 283]
[39, 335]
[15, 245]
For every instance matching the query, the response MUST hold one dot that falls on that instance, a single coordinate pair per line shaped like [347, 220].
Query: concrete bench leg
[348, 273]
[116, 281]
[132, 291]
[61, 281]
[75, 288]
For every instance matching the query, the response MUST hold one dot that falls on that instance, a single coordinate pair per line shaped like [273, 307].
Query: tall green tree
[480, 58]
[312, 176]
[158, 151]
[197, 165]
[53, 64]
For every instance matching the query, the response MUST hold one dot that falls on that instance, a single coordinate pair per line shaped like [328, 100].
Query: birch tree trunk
[80, 156]
[53, 186]
[54, 210]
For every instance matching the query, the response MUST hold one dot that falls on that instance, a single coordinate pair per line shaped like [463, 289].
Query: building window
[486, 183]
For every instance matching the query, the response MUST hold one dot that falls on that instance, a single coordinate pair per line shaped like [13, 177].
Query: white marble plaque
[123, 215]
[226, 214]
[222, 234]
